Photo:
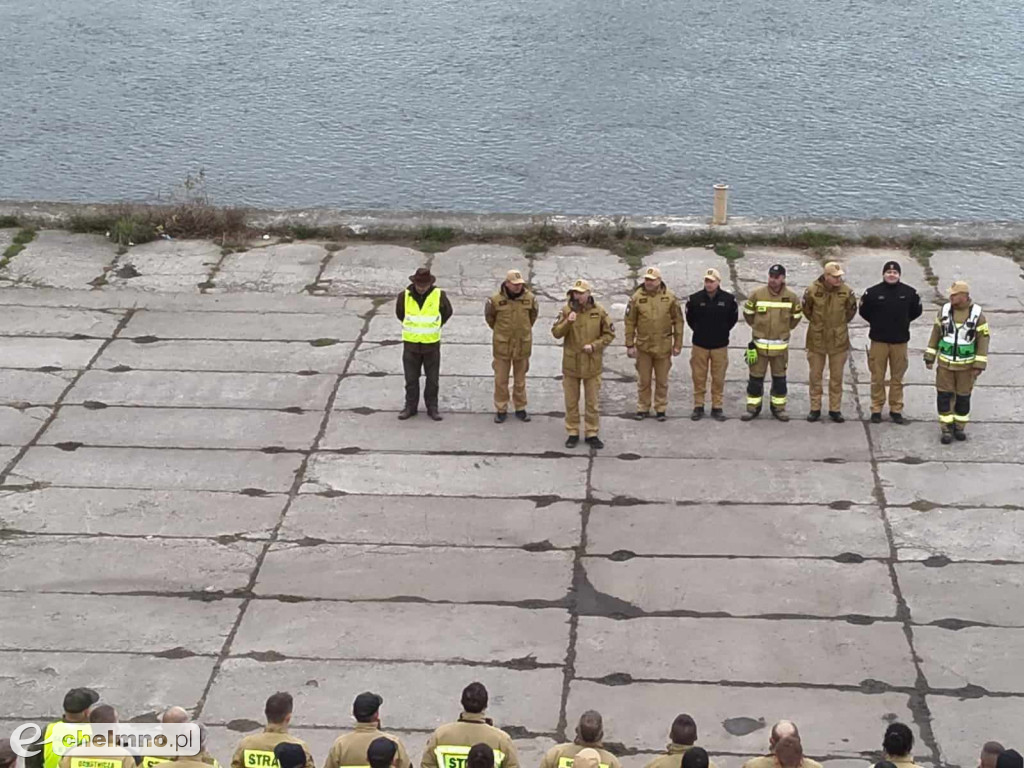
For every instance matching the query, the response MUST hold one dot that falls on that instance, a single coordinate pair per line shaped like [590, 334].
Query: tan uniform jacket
[769, 761]
[350, 749]
[592, 326]
[982, 338]
[468, 730]
[149, 761]
[83, 757]
[511, 318]
[561, 756]
[829, 311]
[654, 322]
[257, 750]
[771, 317]
[673, 757]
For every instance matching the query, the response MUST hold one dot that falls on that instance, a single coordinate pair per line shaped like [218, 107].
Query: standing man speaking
[510, 313]
[422, 309]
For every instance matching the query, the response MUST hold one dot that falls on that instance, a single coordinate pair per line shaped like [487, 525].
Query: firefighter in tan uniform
[86, 757]
[783, 742]
[829, 305]
[586, 330]
[589, 733]
[772, 312]
[449, 745]
[349, 750]
[257, 750]
[654, 335]
[179, 715]
[683, 735]
[959, 341]
[510, 313]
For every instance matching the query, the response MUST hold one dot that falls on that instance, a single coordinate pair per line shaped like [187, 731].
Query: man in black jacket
[889, 307]
[711, 313]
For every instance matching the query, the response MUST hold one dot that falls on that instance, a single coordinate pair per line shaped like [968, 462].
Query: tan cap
[515, 277]
[652, 273]
[580, 285]
[960, 286]
[713, 274]
[834, 269]
[587, 758]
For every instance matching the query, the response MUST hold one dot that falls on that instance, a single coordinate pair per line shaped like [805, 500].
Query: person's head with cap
[960, 294]
[776, 277]
[1010, 758]
[474, 698]
[695, 757]
[278, 708]
[789, 752]
[514, 282]
[8, 757]
[684, 730]
[77, 703]
[290, 755]
[480, 756]
[422, 280]
[990, 752]
[381, 752]
[587, 758]
[579, 292]
[833, 274]
[366, 707]
[712, 280]
[652, 279]
[898, 740]
[590, 728]
[175, 715]
[103, 713]
[781, 730]
[892, 272]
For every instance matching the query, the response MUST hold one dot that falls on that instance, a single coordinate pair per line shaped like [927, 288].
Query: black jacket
[711, 319]
[890, 309]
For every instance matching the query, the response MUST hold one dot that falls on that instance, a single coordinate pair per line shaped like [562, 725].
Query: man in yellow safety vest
[422, 309]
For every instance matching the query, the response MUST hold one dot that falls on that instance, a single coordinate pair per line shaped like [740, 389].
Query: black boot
[814, 416]
[750, 415]
[717, 414]
[522, 415]
[499, 417]
[698, 413]
[407, 413]
[836, 416]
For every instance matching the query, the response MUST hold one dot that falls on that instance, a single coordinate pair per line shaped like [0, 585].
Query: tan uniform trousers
[701, 361]
[894, 356]
[591, 397]
[836, 361]
[959, 381]
[518, 369]
[660, 366]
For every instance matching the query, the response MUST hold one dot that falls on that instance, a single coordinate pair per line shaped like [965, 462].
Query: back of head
[684, 730]
[695, 757]
[587, 758]
[104, 713]
[78, 700]
[898, 740]
[1010, 758]
[474, 698]
[591, 726]
[782, 729]
[480, 756]
[279, 707]
[290, 755]
[381, 752]
[789, 751]
[175, 715]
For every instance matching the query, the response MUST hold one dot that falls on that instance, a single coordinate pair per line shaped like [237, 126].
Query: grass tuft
[9, 222]
[729, 251]
[23, 238]
[132, 230]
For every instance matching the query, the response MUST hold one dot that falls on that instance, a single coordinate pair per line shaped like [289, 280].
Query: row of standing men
[654, 335]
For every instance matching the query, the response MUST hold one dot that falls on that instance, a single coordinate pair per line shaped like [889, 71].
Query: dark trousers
[425, 357]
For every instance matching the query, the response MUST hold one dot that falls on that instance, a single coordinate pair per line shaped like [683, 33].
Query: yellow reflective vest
[422, 325]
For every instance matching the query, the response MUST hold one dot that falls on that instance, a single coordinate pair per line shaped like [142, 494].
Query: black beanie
[892, 265]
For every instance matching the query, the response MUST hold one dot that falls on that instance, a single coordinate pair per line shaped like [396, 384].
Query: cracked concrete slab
[21, 388]
[919, 442]
[456, 360]
[996, 592]
[457, 522]
[557, 269]
[242, 356]
[373, 572]
[120, 512]
[992, 484]
[987, 404]
[976, 656]
[863, 268]
[958, 534]
[802, 268]
[963, 725]
[744, 651]
[19, 425]
[244, 326]
[501, 634]
[26, 352]
[165, 266]
[682, 269]
[57, 321]
[477, 270]
[819, 588]
[282, 268]
[56, 259]
[159, 469]
[377, 270]
[996, 281]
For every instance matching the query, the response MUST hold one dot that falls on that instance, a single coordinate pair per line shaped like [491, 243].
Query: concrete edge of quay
[384, 224]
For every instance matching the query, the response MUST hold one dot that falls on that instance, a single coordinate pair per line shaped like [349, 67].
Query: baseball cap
[515, 277]
[713, 274]
[381, 752]
[580, 285]
[290, 755]
[834, 269]
[775, 270]
[366, 704]
[79, 699]
[652, 273]
[960, 286]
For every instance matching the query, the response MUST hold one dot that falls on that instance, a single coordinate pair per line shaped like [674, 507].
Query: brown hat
[515, 277]
[652, 273]
[713, 274]
[423, 277]
[587, 758]
[580, 285]
[834, 269]
[960, 286]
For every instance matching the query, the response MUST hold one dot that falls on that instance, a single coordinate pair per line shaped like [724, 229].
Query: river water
[900, 108]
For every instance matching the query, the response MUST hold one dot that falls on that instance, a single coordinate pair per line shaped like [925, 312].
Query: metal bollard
[720, 212]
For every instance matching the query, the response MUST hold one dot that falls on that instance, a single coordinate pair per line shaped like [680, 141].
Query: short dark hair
[993, 748]
[278, 707]
[789, 751]
[684, 730]
[480, 756]
[695, 757]
[591, 726]
[474, 698]
[898, 740]
[103, 713]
